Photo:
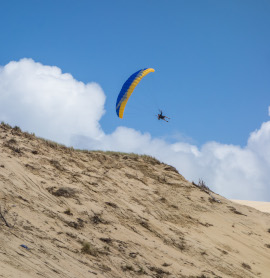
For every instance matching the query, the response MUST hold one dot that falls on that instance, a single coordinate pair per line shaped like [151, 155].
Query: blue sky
[212, 61]
[211, 58]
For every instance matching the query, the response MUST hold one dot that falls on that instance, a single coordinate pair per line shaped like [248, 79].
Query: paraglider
[128, 89]
[160, 116]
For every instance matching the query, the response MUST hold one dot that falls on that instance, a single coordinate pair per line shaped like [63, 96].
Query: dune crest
[261, 206]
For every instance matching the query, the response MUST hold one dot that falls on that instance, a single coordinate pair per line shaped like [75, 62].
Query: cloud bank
[54, 105]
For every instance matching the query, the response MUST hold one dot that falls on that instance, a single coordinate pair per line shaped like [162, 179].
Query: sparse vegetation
[141, 271]
[133, 156]
[12, 145]
[246, 266]
[76, 225]
[127, 268]
[233, 209]
[145, 225]
[66, 192]
[11, 141]
[205, 224]
[56, 164]
[201, 184]
[54, 145]
[166, 265]
[106, 240]
[96, 219]
[87, 248]
[71, 235]
[133, 255]
[5, 215]
[223, 251]
[171, 168]
[159, 271]
[5, 126]
[180, 244]
[113, 205]
[163, 200]
[105, 268]
[68, 211]
[130, 268]
[17, 129]
[150, 159]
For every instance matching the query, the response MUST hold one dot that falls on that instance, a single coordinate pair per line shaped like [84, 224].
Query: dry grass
[66, 192]
[87, 248]
[246, 266]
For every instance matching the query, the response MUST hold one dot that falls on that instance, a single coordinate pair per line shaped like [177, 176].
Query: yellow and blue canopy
[128, 89]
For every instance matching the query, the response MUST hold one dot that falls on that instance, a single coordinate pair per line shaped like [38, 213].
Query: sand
[103, 214]
[262, 206]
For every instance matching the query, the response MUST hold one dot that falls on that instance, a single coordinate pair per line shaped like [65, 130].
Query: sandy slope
[139, 217]
[262, 206]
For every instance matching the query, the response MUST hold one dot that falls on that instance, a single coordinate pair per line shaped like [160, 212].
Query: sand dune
[262, 206]
[73, 214]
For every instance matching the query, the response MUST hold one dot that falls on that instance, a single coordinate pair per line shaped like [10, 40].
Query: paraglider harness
[160, 116]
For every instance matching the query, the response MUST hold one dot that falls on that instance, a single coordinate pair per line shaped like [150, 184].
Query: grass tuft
[87, 248]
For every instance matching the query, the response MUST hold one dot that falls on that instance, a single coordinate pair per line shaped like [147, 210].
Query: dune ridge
[70, 213]
[261, 206]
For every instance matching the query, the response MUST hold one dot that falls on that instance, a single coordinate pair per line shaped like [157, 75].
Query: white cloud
[259, 142]
[54, 105]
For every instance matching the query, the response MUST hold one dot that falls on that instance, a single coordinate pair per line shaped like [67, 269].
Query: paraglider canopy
[128, 89]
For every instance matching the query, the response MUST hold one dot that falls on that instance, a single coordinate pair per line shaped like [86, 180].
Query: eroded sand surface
[95, 214]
